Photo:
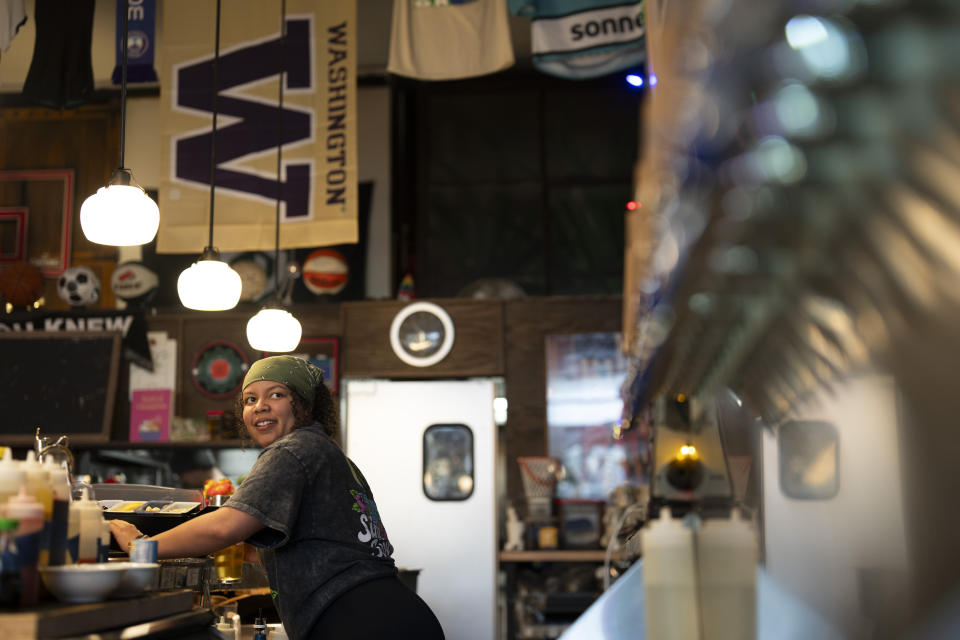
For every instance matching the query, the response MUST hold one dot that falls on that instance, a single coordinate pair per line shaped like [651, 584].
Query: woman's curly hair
[317, 410]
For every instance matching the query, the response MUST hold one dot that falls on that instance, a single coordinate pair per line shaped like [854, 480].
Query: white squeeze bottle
[11, 476]
[103, 549]
[728, 569]
[669, 581]
[89, 518]
[38, 486]
[226, 629]
[59, 479]
[73, 535]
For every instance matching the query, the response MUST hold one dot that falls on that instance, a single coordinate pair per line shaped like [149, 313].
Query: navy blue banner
[141, 18]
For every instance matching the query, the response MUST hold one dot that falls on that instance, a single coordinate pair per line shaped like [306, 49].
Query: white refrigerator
[428, 450]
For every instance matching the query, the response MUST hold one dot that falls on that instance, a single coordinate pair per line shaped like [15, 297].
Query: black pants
[381, 609]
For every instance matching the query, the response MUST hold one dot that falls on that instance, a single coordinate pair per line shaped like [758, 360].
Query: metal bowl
[82, 582]
[217, 501]
[137, 578]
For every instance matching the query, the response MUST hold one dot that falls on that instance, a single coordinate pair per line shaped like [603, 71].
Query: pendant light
[210, 284]
[274, 329]
[120, 213]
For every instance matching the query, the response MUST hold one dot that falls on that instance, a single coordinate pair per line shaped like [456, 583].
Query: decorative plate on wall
[218, 369]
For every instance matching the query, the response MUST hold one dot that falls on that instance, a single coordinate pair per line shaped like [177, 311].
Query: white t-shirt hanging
[12, 17]
[449, 40]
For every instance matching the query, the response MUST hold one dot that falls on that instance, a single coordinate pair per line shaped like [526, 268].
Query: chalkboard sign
[64, 382]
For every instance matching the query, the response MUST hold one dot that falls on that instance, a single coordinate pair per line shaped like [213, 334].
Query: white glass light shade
[209, 285]
[274, 331]
[119, 215]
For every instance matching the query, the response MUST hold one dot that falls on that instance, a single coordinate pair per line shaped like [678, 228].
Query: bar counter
[166, 610]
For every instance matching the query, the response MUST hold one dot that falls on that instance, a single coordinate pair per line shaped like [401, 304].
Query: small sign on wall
[150, 412]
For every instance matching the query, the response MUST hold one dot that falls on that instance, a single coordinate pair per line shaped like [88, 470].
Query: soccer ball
[79, 286]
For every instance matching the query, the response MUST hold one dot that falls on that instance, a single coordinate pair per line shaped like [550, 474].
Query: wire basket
[540, 475]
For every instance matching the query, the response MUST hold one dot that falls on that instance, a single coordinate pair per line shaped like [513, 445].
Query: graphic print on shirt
[372, 530]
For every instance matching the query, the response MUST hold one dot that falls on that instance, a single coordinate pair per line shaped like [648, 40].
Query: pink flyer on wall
[150, 411]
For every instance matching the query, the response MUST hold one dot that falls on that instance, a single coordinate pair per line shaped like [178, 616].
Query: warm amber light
[688, 452]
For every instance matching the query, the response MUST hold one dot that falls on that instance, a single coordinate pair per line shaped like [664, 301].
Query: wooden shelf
[54, 619]
[558, 555]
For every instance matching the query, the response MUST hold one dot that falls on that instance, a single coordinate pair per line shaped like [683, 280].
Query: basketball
[21, 284]
[325, 272]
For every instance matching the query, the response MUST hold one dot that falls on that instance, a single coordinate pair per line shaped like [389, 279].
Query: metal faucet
[58, 450]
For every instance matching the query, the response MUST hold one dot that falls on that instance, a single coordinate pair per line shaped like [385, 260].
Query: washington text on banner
[319, 174]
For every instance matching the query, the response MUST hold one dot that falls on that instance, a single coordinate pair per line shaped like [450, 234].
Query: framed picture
[325, 354]
[13, 234]
[48, 195]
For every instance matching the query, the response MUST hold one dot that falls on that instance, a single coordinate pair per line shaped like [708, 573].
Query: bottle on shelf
[11, 476]
[38, 485]
[59, 479]
[226, 629]
[727, 561]
[73, 535]
[90, 525]
[28, 513]
[215, 424]
[260, 627]
[10, 582]
[669, 579]
[103, 544]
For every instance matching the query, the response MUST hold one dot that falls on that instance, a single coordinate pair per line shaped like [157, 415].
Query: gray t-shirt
[323, 532]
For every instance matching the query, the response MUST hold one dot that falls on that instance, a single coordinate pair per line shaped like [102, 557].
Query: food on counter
[126, 506]
[153, 506]
[180, 507]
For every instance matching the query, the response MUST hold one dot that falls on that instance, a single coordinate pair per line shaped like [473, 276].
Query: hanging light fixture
[274, 329]
[120, 213]
[210, 284]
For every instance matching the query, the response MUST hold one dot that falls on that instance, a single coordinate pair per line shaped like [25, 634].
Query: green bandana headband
[301, 376]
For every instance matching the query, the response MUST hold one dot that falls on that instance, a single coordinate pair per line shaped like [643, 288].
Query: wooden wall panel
[85, 139]
[527, 323]
[195, 330]
[477, 347]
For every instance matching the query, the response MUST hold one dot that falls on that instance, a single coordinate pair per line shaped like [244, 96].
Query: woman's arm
[196, 537]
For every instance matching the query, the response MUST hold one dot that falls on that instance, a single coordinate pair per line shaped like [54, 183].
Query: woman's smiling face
[268, 411]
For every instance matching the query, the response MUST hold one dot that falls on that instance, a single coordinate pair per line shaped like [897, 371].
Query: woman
[311, 514]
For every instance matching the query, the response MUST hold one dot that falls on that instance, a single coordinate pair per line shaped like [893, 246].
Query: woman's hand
[124, 532]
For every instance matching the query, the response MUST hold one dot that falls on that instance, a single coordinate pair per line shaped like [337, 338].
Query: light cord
[213, 137]
[276, 250]
[123, 84]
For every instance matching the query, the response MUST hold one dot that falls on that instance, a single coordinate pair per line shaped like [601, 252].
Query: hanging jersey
[580, 39]
[61, 73]
[444, 40]
[12, 17]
